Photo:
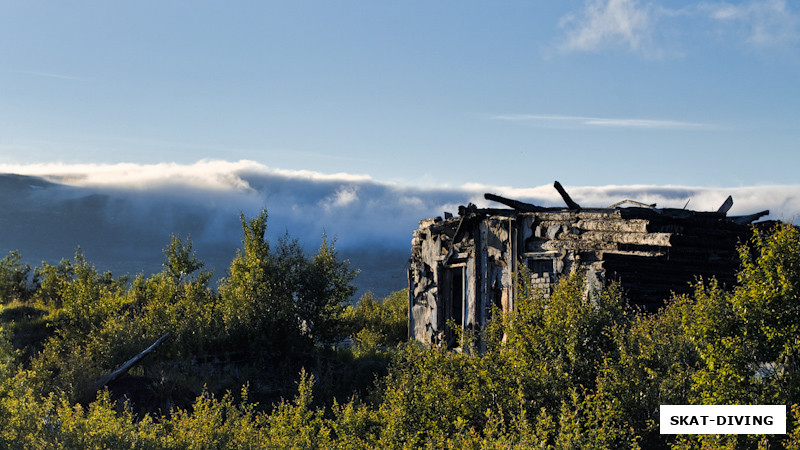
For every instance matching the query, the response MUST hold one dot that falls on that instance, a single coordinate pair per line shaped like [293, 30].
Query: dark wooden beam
[726, 206]
[744, 220]
[516, 204]
[567, 199]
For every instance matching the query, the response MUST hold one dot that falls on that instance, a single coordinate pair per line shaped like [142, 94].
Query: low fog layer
[122, 215]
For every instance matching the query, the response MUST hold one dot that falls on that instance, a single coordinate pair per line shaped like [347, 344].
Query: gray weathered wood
[651, 252]
[130, 363]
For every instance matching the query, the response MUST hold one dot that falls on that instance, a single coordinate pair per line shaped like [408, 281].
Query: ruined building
[462, 266]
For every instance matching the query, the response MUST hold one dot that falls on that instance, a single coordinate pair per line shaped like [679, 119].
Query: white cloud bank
[123, 214]
[356, 205]
[212, 175]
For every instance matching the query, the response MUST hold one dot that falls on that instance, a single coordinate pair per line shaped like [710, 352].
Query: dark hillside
[124, 232]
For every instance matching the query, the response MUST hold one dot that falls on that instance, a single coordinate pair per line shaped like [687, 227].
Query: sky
[418, 93]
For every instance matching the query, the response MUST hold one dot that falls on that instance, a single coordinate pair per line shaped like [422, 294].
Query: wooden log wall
[652, 253]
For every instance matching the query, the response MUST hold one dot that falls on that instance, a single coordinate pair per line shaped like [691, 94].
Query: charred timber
[744, 220]
[567, 199]
[515, 204]
[463, 266]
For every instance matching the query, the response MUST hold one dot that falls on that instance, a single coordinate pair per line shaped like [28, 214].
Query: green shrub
[566, 371]
[374, 323]
[14, 278]
[283, 299]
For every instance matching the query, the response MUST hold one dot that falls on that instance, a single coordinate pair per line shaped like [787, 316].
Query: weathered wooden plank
[130, 363]
[629, 226]
[653, 239]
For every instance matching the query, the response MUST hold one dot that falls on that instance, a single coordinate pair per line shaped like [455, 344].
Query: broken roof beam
[726, 206]
[515, 204]
[634, 202]
[567, 199]
[744, 220]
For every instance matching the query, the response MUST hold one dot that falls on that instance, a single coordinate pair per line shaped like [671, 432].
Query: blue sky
[420, 93]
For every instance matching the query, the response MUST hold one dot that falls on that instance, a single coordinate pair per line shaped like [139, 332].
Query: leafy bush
[7, 356]
[569, 370]
[14, 278]
[374, 323]
[283, 299]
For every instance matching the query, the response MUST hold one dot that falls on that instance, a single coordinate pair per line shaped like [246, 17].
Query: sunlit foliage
[282, 298]
[574, 369]
[373, 323]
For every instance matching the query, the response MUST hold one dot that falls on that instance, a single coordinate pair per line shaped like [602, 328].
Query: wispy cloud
[586, 121]
[608, 23]
[649, 28]
[764, 23]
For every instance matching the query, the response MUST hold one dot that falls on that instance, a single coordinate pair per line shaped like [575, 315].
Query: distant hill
[122, 215]
[125, 231]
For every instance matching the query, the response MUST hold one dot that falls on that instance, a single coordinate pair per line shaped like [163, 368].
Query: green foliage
[90, 323]
[102, 425]
[747, 339]
[374, 323]
[180, 260]
[654, 364]
[766, 303]
[74, 357]
[568, 370]
[793, 435]
[7, 355]
[27, 326]
[178, 301]
[251, 304]
[282, 298]
[89, 298]
[354, 425]
[431, 394]
[324, 288]
[103, 322]
[29, 420]
[14, 278]
[560, 340]
[296, 425]
[52, 282]
[213, 423]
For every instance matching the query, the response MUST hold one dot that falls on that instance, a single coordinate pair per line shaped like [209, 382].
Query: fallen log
[130, 363]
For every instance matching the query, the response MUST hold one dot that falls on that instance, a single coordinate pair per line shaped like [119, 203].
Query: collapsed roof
[463, 265]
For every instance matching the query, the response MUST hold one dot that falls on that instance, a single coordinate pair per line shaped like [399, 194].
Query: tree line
[568, 370]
